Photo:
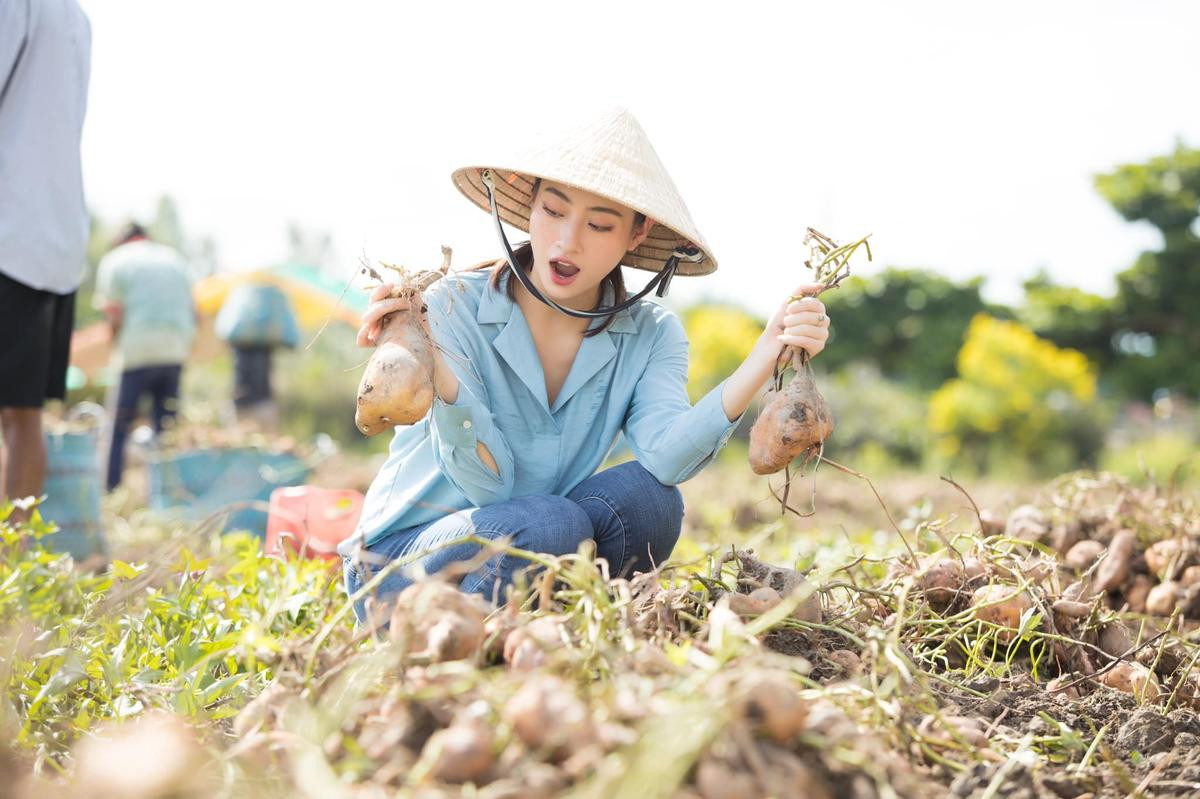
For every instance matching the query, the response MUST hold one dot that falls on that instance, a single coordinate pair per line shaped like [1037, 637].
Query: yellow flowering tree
[1017, 397]
[720, 337]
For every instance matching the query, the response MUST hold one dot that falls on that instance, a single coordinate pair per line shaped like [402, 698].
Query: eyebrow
[603, 209]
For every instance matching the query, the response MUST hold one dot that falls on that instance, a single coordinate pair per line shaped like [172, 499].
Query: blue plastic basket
[73, 495]
[204, 482]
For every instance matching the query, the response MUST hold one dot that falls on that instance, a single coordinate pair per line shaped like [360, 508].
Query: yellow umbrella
[315, 298]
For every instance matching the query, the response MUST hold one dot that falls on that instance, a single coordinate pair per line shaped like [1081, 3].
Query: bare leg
[25, 455]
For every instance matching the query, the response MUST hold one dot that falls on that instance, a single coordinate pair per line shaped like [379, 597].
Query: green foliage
[907, 322]
[316, 387]
[195, 637]
[1160, 458]
[1164, 191]
[880, 424]
[720, 338]
[1018, 401]
[1069, 317]
[1155, 323]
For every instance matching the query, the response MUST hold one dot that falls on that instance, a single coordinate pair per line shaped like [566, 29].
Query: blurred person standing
[45, 64]
[255, 320]
[145, 291]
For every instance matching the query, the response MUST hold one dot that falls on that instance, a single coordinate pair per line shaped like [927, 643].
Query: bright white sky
[964, 140]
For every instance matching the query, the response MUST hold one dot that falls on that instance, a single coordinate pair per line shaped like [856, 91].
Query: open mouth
[563, 271]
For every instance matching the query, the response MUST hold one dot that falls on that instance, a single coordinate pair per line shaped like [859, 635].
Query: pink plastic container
[312, 520]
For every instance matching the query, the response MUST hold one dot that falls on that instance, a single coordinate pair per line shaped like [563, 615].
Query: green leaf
[127, 571]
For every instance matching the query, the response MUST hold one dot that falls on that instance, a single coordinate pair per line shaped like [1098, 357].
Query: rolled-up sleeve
[456, 428]
[668, 435]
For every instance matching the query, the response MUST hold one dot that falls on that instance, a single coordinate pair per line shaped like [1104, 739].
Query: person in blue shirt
[541, 360]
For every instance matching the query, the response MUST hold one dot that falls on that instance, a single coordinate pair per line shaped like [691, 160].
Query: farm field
[1042, 647]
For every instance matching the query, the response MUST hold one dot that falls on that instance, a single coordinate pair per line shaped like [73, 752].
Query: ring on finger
[820, 317]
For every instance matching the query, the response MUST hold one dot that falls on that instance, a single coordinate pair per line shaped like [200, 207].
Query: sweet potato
[397, 385]
[1027, 523]
[460, 753]
[783, 581]
[1116, 564]
[525, 647]
[1063, 685]
[1170, 556]
[795, 421]
[941, 581]
[757, 602]
[1162, 598]
[435, 620]
[1134, 679]
[546, 714]
[771, 704]
[1115, 639]
[849, 662]
[1083, 555]
[1002, 605]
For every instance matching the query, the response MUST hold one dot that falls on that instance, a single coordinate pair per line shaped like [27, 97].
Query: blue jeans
[633, 519]
[162, 384]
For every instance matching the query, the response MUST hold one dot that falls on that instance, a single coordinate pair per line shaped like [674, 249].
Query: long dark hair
[524, 252]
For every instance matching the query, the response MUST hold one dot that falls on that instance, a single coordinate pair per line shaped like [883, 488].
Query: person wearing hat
[542, 360]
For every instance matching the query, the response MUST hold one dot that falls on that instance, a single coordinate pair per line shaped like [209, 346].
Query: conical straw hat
[609, 156]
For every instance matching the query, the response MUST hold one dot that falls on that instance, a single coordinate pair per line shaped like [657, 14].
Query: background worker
[145, 291]
[255, 320]
[45, 61]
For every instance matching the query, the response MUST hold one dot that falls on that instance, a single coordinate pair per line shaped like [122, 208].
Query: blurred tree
[1156, 317]
[909, 323]
[720, 338]
[1069, 317]
[309, 246]
[879, 423]
[166, 227]
[100, 236]
[1018, 400]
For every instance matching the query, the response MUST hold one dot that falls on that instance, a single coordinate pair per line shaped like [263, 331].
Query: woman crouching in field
[541, 361]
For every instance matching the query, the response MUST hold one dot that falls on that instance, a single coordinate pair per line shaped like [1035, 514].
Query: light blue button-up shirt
[632, 378]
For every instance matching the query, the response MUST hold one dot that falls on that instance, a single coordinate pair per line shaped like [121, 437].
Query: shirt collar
[496, 308]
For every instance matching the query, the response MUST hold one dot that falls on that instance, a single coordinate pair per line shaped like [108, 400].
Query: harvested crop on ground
[980, 665]
[397, 385]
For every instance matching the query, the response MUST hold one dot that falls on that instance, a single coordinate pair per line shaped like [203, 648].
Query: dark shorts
[35, 344]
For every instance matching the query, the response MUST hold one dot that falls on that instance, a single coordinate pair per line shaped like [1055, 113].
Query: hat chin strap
[661, 281]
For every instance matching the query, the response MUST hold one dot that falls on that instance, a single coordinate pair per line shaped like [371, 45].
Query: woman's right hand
[382, 304]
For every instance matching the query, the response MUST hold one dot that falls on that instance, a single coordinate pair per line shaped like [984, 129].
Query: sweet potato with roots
[795, 420]
[397, 386]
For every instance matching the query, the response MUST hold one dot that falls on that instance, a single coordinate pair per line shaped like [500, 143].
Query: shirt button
[467, 424]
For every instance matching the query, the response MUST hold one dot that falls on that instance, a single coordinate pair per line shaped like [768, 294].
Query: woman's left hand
[801, 322]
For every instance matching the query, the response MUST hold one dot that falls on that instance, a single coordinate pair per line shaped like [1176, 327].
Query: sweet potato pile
[989, 652]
